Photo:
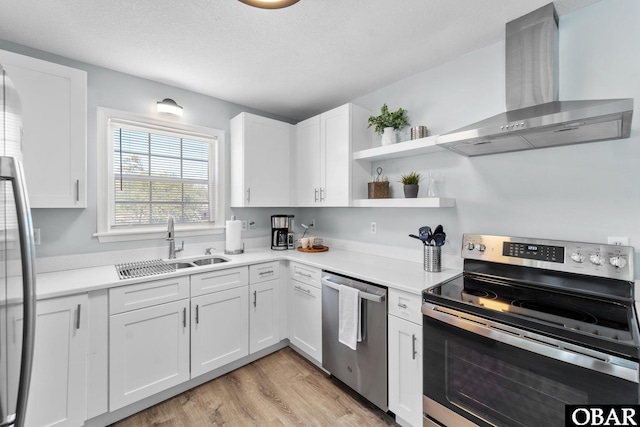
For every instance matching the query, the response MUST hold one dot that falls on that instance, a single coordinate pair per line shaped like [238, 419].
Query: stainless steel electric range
[530, 326]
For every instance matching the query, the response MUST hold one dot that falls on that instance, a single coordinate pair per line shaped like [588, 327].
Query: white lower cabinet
[148, 352]
[57, 395]
[305, 310]
[220, 330]
[148, 339]
[264, 305]
[405, 358]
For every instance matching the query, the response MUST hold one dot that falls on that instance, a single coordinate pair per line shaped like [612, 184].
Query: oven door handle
[539, 344]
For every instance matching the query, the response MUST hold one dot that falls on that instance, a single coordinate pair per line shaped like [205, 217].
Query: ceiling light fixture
[170, 106]
[270, 4]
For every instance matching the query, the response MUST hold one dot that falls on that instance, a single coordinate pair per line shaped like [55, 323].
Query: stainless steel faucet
[170, 233]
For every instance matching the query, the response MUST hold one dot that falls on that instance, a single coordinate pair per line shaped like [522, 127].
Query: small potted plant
[388, 122]
[411, 183]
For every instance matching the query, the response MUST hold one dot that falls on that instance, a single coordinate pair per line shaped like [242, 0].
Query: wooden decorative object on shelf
[378, 190]
[314, 249]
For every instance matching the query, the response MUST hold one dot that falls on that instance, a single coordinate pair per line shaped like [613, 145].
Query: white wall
[583, 192]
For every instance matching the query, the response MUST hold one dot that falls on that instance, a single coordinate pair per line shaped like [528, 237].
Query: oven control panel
[594, 259]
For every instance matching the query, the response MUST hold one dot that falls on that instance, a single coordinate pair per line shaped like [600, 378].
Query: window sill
[129, 235]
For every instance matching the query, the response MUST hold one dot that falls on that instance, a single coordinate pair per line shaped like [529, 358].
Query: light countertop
[393, 273]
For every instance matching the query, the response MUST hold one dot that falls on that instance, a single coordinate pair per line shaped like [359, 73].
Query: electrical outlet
[244, 225]
[623, 241]
[312, 223]
[252, 225]
[374, 228]
[36, 236]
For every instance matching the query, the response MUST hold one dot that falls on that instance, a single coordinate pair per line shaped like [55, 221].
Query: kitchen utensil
[439, 235]
[425, 234]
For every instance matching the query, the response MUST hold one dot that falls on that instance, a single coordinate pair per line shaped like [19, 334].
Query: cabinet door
[307, 167]
[219, 329]
[335, 156]
[264, 315]
[57, 394]
[405, 370]
[54, 116]
[305, 318]
[260, 161]
[148, 352]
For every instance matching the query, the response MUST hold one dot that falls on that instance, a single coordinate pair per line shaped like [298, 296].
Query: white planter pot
[389, 136]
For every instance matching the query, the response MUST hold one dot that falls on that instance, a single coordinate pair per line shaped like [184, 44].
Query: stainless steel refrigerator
[17, 269]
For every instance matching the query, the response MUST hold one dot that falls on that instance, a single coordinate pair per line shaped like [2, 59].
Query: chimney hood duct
[534, 117]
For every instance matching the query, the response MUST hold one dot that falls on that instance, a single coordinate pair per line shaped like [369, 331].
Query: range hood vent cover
[535, 118]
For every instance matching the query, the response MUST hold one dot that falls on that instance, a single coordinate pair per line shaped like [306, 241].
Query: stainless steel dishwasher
[363, 369]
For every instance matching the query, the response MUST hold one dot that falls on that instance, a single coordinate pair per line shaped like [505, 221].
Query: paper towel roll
[234, 240]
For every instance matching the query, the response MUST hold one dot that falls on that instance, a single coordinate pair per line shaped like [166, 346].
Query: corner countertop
[393, 273]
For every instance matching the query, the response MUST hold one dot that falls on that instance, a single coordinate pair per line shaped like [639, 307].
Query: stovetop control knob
[480, 247]
[618, 261]
[577, 257]
[595, 259]
[470, 246]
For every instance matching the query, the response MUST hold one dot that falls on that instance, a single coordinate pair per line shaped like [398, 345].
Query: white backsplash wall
[584, 192]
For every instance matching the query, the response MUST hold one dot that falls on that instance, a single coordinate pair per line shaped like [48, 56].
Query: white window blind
[157, 173]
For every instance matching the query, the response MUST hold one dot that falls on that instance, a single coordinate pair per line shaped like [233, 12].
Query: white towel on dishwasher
[349, 332]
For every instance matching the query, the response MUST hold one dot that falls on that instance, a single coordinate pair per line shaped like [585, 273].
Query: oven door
[480, 373]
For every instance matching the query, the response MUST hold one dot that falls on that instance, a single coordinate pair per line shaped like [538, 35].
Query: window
[155, 169]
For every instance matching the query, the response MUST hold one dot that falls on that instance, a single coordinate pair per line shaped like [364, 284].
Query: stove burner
[541, 309]
[481, 293]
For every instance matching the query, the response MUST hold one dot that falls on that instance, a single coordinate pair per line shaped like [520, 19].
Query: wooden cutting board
[313, 250]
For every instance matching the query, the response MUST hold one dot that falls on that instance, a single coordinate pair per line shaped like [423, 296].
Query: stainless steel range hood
[535, 118]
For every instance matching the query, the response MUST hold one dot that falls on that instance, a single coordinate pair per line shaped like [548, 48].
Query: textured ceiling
[294, 62]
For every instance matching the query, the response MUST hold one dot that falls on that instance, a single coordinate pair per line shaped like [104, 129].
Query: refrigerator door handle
[11, 170]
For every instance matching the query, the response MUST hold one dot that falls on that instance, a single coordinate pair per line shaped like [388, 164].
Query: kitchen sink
[210, 260]
[179, 265]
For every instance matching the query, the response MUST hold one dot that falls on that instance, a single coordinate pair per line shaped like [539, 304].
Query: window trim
[105, 193]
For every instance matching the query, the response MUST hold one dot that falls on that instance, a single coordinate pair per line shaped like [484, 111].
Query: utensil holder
[432, 258]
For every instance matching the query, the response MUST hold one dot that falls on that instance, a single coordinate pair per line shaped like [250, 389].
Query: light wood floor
[282, 389]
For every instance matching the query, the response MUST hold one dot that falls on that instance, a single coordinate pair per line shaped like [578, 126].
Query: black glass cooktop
[595, 321]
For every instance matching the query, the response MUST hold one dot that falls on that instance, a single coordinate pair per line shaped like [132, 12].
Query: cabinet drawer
[263, 272]
[133, 297]
[219, 280]
[405, 305]
[304, 274]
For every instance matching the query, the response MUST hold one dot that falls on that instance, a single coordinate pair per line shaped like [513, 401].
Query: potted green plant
[411, 183]
[388, 122]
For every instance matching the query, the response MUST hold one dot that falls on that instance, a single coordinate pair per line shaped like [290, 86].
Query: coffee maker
[281, 232]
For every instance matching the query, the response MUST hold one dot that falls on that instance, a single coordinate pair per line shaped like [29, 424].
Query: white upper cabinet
[54, 116]
[260, 162]
[325, 174]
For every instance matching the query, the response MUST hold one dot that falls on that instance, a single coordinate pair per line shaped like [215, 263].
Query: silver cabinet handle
[265, 272]
[78, 316]
[315, 198]
[11, 169]
[197, 314]
[321, 194]
[255, 298]
[248, 195]
[402, 305]
[184, 317]
[413, 347]
[77, 190]
[304, 275]
[303, 290]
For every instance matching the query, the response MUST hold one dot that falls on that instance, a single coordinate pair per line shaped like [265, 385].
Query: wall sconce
[270, 4]
[170, 106]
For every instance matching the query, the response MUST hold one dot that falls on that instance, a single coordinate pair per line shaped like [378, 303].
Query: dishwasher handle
[364, 295]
